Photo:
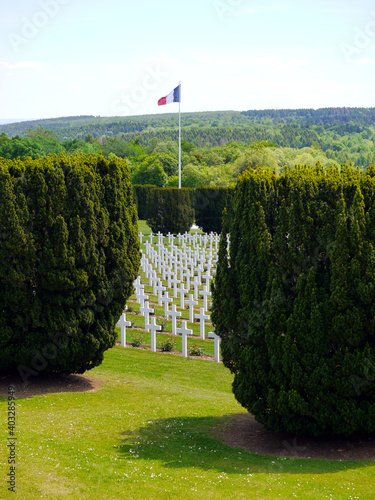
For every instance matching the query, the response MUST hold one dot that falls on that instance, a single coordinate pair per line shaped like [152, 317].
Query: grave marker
[174, 315]
[184, 331]
[202, 317]
[153, 328]
[123, 324]
[212, 335]
[191, 303]
[145, 311]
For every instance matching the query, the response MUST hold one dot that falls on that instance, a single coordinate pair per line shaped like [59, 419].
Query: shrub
[195, 350]
[170, 210]
[293, 300]
[163, 324]
[167, 345]
[136, 340]
[69, 253]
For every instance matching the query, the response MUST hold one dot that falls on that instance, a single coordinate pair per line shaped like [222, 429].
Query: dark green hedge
[209, 203]
[171, 210]
[69, 253]
[294, 299]
[141, 192]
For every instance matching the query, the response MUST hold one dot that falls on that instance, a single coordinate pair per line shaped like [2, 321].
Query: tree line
[216, 146]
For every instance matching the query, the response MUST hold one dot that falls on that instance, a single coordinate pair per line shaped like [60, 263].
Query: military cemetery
[174, 289]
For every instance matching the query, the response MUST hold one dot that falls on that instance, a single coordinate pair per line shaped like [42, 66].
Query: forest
[216, 146]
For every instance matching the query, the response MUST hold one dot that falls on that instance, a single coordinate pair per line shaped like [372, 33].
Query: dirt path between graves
[243, 431]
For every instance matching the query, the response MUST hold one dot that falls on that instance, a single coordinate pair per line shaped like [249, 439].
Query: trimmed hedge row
[204, 205]
[170, 210]
[209, 203]
[141, 193]
[294, 299]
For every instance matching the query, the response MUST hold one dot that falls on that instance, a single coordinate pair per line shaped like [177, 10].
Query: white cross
[182, 290]
[206, 293]
[148, 269]
[145, 311]
[216, 338]
[140, 237]
[196, 282]
[191, 303]
[174, 315]
[160, 289]
[207, 277]
[138, 285]
[188, 275]
[169, 275]
[141, 297]
[201, 316]
[164, 268]
[152, 277]
[182, 269]
[166, 300]
[200, 270]
[209, 267]
[122, 323]
[175, 282]
[184, 331]
[153, 327]
[155, 281]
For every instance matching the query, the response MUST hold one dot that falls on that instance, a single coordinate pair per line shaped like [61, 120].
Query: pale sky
[118, 57]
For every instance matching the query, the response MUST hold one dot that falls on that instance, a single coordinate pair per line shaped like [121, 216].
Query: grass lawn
[143, 227]
[145, 433]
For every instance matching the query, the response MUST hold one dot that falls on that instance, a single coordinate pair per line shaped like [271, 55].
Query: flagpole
[179, 140]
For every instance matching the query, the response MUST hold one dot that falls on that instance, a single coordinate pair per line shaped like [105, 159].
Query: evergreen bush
[294, 299]
[69, 253]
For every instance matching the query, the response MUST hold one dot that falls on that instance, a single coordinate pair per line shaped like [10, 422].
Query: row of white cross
[195, 254]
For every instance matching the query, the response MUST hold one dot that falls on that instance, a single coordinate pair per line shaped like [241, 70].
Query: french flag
[174, 96]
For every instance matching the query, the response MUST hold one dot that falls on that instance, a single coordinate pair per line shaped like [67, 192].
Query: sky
[118, 57]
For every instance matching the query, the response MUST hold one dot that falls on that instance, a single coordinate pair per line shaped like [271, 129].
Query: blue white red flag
[174, 96]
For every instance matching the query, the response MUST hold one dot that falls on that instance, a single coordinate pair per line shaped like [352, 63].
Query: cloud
[364, 60]
[22, 65]
[283, 62]
[205, 59]
[160, 58]
[261, 10]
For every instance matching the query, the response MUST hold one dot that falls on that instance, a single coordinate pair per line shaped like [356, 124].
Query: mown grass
[146, 433]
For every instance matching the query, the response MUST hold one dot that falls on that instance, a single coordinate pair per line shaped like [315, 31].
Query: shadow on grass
[186, 442]
[47, 384]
